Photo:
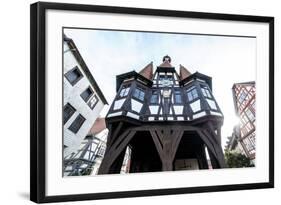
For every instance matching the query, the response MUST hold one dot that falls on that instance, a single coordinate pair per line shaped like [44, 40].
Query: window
[139, 93]
[77, 123]
[87, 94]
[68, 111]
[74, 75]
[170, 78]
[250, 115]
[192, 93]
[154, 97]
[93, 101]
[124, 91]
[89, 97]
[242, 97]
[178, 96]
[161, 77]
[101, 150]
[206, 92]
[165, 80]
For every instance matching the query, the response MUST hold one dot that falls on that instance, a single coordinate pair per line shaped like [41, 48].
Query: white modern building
[82, 100]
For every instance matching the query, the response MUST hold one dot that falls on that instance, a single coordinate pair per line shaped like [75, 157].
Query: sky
[226, 59]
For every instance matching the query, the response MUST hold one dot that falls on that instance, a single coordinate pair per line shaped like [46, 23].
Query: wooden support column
[210, 139]
[166, 141]
[214, 161]
[201, 156]
[114, 151]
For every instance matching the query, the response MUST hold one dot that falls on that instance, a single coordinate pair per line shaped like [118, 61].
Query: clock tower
[169, 120]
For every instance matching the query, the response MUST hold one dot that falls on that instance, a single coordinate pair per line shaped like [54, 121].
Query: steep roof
[165, 64]
[98, 126]
[147, 71]
[184, 73]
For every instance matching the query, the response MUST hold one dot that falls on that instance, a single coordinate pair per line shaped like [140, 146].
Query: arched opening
[144, 156]
[190, 154]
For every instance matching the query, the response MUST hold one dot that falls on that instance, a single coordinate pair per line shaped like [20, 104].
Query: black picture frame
[38, 100]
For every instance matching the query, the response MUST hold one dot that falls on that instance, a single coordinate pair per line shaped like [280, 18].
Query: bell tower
[168, 120]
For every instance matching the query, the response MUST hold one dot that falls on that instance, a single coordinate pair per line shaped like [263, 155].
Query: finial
[167, 59]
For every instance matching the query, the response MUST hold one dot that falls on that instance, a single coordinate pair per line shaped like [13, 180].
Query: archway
[190, 154]
[144, 155]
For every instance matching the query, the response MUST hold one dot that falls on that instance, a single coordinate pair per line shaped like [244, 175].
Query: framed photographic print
[129, 102]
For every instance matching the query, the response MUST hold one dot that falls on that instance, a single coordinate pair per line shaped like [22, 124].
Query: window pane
[139, 94]
[124, 91]
[178, 97]
[77, 123]
[154, 98]
[68, 111]
[242, 97]
[93, 101]
[74, 75]
[250, 115]
[192, 94]
[87, 94]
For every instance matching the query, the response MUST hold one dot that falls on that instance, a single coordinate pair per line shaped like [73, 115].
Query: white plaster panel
[215, 113]
[200, 114]
[118, 104]
[115, 114]
[136, 106]
[129, 114]
[178, 109]
[212, 104]
[153, 109]
[151, 119]
[196, 106]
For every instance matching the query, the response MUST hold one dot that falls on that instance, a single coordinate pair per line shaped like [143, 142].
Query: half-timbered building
[244, 96]
[168, 119]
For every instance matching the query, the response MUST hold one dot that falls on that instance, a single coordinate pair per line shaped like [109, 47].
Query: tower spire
[147, 71]
[184, 73]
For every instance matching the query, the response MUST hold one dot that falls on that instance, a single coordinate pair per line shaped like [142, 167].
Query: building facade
[87, 160]
[168, 120]
[244, 97]
[82, 98]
